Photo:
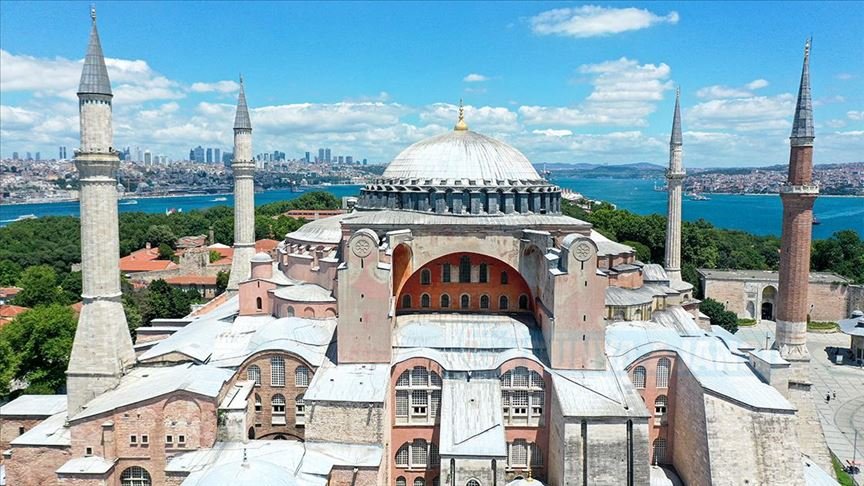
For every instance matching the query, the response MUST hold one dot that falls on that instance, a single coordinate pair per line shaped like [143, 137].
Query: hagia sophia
[454, 329]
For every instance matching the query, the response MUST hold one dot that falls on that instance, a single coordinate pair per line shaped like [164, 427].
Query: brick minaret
[798, 195]
[244, 194]
[102, 349]
[674, 181]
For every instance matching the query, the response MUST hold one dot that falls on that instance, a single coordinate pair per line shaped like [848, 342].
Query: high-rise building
[217, 156]
[308, 157]
[29, 156]
[148, 158]
[61, 154]
[365, 162]
[139, 155]
[198, 154]
[192, 155]
[102, 350]
[14, 155]
[320, 155]
[349, 159]
[38, 156]
[341, 159]
[209, 157]
[327, 155]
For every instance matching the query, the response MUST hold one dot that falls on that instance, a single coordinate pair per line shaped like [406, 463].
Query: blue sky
[563, 82]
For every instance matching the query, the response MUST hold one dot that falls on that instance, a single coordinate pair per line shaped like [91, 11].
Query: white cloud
[475, 78]
[593, 20]
[855, 115]
[218, 87]
[549, 132]
[625, 93]
[835, 123]
[757, 84]
[486, 119]
[845, 76]
[743, 114]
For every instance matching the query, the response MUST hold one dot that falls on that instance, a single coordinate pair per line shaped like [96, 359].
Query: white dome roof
[261, 257]
[461, 155]
[248, 473]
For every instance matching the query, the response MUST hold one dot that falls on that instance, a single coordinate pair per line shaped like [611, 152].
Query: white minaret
[102, 349]
[244, 194]
[674, 181]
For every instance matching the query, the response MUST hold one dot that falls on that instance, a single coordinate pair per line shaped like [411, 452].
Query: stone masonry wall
[10, 429]
[35, 466]
[363, 423]
[691, 456]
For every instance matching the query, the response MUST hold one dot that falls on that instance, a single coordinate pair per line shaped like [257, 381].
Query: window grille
[135, 476]
[472, 482]
[445, 273]
[406, 301]
[419, 376]
[660, 405]
[659, 450]
[278, 406]
[536, 456]
[301, 376]
[465, 269]
[419, 453]
[404, 379]
[503, 303]
[484, 273]
[518, 457]
[639, 377]
[258, 406]
[445, 301]
[663, 373]
[484, 301]
[419, 402]
[402, 403]
[400, 481]
[425, 277]
[418, 396]
[419, 482]
[425, 301]
[253, 373]
[465, 301]
[277, 371]
[402, 456]
[299, 410]
[522, 396]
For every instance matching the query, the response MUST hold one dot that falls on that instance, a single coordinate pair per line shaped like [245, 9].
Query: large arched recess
[501, 280]
[402, 266]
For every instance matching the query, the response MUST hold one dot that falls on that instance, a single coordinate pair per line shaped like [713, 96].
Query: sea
[758, 214]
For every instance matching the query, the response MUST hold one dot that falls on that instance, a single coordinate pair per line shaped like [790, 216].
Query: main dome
[464, 156]
[463, 173]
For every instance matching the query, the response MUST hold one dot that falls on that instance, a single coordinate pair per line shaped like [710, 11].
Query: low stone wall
[363, 423]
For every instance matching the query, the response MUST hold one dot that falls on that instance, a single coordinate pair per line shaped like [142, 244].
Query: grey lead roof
[241, 119]
[676, 138]
[802, 126]
[94, 76]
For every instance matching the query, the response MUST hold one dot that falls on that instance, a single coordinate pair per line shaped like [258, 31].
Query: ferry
[815, 221]
[219, 199]
[129, 202]
[698, 197]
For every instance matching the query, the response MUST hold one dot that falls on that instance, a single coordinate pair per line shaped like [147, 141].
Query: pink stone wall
[250, 292]
[35, 466]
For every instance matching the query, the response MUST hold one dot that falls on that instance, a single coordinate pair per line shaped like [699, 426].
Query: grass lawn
[842, 478]
[746, 322]
[821, 326]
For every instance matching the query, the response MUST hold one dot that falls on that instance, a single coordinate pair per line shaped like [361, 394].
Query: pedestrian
[828, 398]
[834, 395]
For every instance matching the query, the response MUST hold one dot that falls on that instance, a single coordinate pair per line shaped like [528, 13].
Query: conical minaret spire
[798, 195]
[102, 349]
[244, 194]
[674, 182]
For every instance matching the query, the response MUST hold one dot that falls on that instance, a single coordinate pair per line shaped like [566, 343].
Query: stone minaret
[674, 181]
[102, 350]
[798, 195]
[244, 194]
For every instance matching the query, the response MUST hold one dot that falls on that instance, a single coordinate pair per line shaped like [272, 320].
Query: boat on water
[219, 199]
[699, 197]
[815, 221]
[129, 202]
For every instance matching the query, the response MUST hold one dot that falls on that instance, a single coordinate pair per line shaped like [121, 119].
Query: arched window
[660, 405]
[484, 273]
[259, 304]
[253, 373]
[400, 481]
[418, 481]
[445, 273]
[517, 454]
[503, 303]
[464, 269]
[425, 301]
[522, 396]
[472, 482]
[301, 376]
[418, 396]
[425, 277]
[258, 406]
[402, 456]
[659, 451]
[277, 404]
[663, 365]
[299, 410]
[523, 302]
[135, 476]
[277, 371]
[639, 377]
[484, 301]
[406, 301]
[465, 301]
[445, 301]
[505, 279]
[419, 453]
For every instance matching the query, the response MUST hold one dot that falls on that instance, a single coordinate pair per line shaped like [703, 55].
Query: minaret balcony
[799, 189]
[672, 174]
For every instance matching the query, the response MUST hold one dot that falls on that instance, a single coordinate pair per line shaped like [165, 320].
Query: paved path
[843, 415]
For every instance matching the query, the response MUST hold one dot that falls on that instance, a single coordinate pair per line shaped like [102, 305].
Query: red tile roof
[8, 313]
[145, 260]
[192, 280]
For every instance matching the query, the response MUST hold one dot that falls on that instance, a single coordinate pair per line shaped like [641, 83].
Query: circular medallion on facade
[582, 251]
[362, 247]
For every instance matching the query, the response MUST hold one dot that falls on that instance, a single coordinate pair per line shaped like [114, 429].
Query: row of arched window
[464, 302]
[419, 481]
[135, 476]
[662, 374]
[418, 396]
[277, 409]
[522, 396]
[418, 454]
[277, 373]
[464, 273]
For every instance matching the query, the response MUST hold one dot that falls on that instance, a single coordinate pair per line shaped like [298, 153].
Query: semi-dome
[461, 155]
[461, 173]
[248, 473]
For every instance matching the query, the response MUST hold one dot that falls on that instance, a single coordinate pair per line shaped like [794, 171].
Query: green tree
[643, 253]
[842, 253]
[9, 362]
[719, 315]
[72, 286]
[42, 340]
[39, 286]
[162, 301]
[309, 200]
[166, 252]
[214, 256]
[9, 272]
[161, 234]
[222, 281]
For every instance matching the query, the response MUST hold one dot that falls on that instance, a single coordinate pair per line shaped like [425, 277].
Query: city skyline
[352, 84]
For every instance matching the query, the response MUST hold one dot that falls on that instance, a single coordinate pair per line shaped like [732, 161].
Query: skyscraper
[148, 158]
[209, 155]
[102, 349]
[198, 154]
[327, 155]
[308, 157]
[320, 155]
[38, 156]
[217, 156]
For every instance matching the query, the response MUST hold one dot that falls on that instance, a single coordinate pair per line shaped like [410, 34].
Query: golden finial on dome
[461, 126]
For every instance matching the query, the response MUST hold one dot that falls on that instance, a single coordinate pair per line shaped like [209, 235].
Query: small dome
[261, 258]
[248, 473]
[525, 482]
[461, 155]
